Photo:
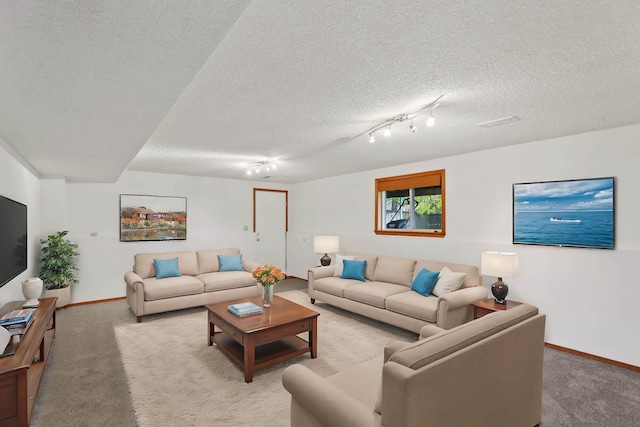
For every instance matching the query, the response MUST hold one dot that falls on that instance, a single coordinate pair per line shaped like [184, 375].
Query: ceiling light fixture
[268, 165]
[386, 125]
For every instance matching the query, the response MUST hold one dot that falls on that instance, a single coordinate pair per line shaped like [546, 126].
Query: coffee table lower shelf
[265, 354]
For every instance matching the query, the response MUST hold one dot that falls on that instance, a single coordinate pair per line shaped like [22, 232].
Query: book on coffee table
[244, 309]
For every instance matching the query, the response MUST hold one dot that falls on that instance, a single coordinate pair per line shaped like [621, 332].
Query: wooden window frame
[409, 181]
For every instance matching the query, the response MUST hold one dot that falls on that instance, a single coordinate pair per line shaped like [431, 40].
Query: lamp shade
[326, 244]
[499, 264]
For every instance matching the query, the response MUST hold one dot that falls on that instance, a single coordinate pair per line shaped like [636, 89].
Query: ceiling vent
[499, 122]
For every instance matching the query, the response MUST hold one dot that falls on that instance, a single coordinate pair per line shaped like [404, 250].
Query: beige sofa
[386, 294]
[487, 372]
[201, 282]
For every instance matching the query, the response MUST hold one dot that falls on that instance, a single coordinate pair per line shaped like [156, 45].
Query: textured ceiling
[90, 89]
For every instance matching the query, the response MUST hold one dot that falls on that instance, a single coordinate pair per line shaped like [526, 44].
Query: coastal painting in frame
[577, 213]
[152, 218]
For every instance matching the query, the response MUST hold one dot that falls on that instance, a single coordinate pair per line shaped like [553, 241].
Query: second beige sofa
[386, 293]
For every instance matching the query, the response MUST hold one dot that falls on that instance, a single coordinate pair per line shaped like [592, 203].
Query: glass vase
[267, 296]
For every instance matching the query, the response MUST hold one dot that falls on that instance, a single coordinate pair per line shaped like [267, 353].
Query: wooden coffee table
[261, 340]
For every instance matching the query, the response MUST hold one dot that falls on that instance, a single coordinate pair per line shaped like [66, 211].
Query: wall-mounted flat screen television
[13, 239]
[577, 212]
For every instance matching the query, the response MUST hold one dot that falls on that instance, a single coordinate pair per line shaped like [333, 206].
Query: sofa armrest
[320, 272]
[458, 299]
[250, 265]
[316, 273]
[131, 278]
[429, 331]
[134, 285]
[326, 402]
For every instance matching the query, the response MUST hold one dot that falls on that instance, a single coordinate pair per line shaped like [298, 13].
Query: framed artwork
[152, 218]
[578, 213]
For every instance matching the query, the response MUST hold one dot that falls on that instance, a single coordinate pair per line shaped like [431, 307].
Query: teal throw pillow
[166, 268]
[353, 269]
[424, 282]
[230, 262]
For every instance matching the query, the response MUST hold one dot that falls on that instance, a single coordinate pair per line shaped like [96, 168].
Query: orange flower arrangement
[268, 275]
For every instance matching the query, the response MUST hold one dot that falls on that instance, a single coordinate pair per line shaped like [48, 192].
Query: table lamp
[326, 244]
[499, 264]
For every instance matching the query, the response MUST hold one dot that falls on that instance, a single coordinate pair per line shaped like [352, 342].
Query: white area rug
[176, 379]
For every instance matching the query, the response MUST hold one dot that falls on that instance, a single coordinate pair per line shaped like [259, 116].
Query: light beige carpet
[176, 379]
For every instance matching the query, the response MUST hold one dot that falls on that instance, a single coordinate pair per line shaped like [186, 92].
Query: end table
[489, 305]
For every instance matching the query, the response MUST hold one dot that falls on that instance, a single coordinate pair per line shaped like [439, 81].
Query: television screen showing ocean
[562, 228]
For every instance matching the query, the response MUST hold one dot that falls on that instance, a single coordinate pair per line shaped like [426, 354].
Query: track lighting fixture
[269, 165]
[386, 125]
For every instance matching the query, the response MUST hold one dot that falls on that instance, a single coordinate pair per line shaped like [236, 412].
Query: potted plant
[58, 269]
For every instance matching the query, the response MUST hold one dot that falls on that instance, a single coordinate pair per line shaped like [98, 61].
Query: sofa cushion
[166, 268]
[208, 260]
[425, 282]
[226, 280]
[361, 381]
[373, 293]
[473, 277]
[394, 270]
[334, 285]
[157, 289]
[353, 270]
[372, 260]
[438, 346]
[230, 262]
[340, 265]
[448, 281]
[144, 265]
[412, 304]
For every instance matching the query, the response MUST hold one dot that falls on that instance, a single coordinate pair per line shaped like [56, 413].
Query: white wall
[217, 211]
[590, 296]
[19, 183]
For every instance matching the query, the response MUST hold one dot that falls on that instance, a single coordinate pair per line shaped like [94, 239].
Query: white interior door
[270, 227]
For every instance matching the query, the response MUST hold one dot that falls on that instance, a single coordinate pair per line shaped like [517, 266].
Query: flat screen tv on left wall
[13, 239]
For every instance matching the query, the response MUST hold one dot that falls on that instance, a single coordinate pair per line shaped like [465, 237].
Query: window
[411, 205]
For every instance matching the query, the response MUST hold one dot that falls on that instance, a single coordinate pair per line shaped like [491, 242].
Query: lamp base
[500, 290]
[325, 260]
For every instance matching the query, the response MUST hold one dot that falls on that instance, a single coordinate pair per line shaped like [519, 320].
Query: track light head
[372, 138]
[412, 127]
[431, 120]
[387, 131]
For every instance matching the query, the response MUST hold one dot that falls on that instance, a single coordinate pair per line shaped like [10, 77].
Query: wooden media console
[21, 372]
